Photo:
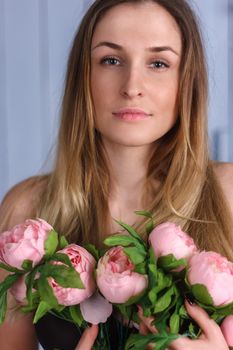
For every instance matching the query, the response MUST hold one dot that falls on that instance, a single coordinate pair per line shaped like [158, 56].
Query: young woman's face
[136, 52]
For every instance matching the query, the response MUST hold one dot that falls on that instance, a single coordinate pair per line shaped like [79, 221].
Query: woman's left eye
[159, 64]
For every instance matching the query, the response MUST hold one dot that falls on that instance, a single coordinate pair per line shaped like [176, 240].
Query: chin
[129, 141]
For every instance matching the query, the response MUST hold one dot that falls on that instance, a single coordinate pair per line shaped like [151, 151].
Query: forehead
[141, 24]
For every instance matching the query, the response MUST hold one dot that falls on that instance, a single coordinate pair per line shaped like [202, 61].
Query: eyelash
[106, 61]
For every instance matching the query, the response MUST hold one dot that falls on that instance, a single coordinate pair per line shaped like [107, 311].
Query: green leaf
[27, 265]
[76, 315]
[35, 300]
[51, 244]
[46, 292]
[62, 257]
[63, 242]
[191, 331]
[135, 255]
[141, 268]
[150, 224]
[59, 308]
[139, 342]
[161, 321]
[64, 314]
[152, 295]
[225, 309]
[66, 277]
[29, 281]
[169, 262]
[152, 257]
[174, 323]
[217, 318]
[10, 268]
[147, 214]
[8, 282]
[164, 301]
[42, 309]
[121, 240]
[158, 278]
[131, 231]
[135, 299]
[201, 293]
[3, 307]
[183, 312]
[153, 275]
[92, 250]
[149, 227]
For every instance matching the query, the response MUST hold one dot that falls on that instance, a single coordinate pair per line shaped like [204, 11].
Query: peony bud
[24, 242]
[84, 264]
[168, 238]
[215, 272]
[116, 278]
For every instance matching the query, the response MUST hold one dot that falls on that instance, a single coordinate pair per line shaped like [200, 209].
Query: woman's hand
[88, 338]
[211, 337]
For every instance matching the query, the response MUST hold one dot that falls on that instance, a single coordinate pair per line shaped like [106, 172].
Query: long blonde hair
[75, 200]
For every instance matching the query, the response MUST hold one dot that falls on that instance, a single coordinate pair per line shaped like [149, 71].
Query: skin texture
[88, 338]
[133, 76]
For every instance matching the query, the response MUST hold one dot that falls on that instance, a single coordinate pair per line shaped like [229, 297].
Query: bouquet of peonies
[178, 270]
[78, 284]
[46, 274]
[49, 275]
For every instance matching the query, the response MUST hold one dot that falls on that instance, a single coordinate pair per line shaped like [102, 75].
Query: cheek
[100, 89]
[104, 94]
[168, 96]
[103, 80]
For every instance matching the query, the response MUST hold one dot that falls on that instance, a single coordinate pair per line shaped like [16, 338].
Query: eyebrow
[120, 48]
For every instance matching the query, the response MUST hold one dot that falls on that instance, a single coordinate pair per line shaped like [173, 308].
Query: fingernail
[190, 299]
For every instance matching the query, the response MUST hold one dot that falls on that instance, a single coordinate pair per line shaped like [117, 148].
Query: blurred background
[35, 38]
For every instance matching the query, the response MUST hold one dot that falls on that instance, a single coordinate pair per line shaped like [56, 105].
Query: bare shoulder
[224, 173]
[18, 205]
[21, 201]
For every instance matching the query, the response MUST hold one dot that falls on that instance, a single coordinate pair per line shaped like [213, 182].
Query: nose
[133, 84]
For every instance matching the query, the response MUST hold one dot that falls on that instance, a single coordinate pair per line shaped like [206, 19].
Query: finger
[208, 325]
[180, 344]
[143, 329]
[88, 338]
[147, 321]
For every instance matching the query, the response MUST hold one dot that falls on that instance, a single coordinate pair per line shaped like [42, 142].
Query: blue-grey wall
[35, 36]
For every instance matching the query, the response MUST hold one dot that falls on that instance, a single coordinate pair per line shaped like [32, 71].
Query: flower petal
[96, 309]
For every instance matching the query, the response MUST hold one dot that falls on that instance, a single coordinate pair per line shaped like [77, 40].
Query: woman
[132, 136]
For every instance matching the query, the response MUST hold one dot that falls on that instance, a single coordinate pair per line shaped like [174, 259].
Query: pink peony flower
[24, 242]
[84, 264]
[168, 238]
[227, 329]
[116, 278]
[102, 307]
[216, 273]
[18, 290]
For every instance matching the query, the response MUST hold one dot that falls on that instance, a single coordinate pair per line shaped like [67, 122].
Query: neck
[128, 168]
[128, 173]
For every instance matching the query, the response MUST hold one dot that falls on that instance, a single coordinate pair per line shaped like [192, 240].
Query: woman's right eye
[110, 61]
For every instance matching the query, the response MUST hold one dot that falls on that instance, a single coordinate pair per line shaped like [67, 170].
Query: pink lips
[131, 114]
